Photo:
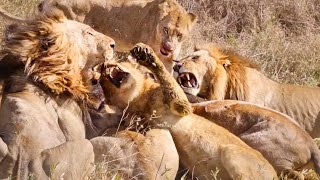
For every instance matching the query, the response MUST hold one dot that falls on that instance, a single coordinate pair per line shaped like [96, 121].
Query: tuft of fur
[234, 65]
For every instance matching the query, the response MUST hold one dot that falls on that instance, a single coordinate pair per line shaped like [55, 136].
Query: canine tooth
[188, 77]
[179, 80]
[189, 84]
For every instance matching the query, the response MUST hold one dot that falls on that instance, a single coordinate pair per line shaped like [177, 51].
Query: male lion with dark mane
[46, 69]
[215, 74]
[202, 145]
[162, 24]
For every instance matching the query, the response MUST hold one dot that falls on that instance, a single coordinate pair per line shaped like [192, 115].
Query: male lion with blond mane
[202, 145]
[47, 74]
[215, 74]
[162, 24]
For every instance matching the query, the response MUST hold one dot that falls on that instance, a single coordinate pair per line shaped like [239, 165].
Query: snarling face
[171, 32]
[191, 71]
[123, 82]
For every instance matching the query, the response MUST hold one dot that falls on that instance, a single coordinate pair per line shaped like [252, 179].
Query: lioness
[215, 73]
[135, 156]
[162, 24]
[277, 136]
[202, 145]
[41, 109]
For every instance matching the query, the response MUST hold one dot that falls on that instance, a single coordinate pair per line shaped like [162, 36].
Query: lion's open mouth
[188, 80]
[116, 75]
[164, 52]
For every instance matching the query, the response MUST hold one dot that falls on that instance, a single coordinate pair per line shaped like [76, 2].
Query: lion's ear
[164, 9]
[225, 62]
[193, 18]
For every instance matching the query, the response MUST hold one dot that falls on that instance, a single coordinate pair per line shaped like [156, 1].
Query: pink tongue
[193, 82]
[185, 84]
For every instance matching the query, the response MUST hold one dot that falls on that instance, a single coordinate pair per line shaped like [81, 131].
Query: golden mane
[235, 66]
[47, 54]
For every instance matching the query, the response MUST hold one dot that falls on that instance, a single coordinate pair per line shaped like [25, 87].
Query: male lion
[202, 145]
[44, 91]
[215, 73]
[162, 24]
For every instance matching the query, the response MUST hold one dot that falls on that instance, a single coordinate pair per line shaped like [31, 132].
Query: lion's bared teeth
[111, 71]
[179, 80]
[187, 80]
[188, 77]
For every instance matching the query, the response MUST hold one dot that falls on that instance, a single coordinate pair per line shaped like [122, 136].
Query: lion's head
[174, 26]
[124, 81]
[58, 52]
[213, 73]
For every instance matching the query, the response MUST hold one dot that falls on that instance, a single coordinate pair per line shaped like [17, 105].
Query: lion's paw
[144, 55]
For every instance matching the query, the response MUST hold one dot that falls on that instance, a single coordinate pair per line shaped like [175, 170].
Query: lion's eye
[179, 36]
[89, 32]
[166, 30]
[195, 57]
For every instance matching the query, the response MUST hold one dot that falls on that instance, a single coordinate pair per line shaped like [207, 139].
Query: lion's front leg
[174, 96]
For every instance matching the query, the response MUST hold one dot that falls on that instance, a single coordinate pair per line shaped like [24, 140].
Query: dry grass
[21, 8]
[282, 36]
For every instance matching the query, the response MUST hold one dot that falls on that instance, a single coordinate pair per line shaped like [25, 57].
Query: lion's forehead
[180, 21]
[201, 53]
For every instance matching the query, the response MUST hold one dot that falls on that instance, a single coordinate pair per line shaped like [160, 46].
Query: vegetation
[282, 36]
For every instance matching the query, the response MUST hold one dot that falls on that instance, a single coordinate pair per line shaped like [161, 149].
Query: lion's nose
[176, 67]
[112, 45]
[168, 47]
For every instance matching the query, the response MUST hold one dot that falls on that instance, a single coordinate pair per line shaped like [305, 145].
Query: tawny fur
[45, 68]
[48, 56]
[277, 136]
[124, 20]
[225, 75]
[202, 145]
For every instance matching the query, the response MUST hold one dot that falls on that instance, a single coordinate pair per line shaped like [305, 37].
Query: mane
[235, 66]
[46, 54]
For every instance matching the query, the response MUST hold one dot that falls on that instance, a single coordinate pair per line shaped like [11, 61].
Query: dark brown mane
[46, 54]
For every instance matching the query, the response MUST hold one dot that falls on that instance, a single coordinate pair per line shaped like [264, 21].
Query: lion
[215, 73]
[134, 155]
[165, 23]
[277, 136]
[202, 145]
[45, 89]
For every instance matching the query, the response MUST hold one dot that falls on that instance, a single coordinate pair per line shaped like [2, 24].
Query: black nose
[112, 46]
[176, 67]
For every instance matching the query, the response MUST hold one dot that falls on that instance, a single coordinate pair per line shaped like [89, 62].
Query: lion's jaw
[120, 83]
[188, 81]
[190, 72]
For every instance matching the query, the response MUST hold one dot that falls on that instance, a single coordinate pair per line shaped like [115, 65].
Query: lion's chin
[192, 91]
